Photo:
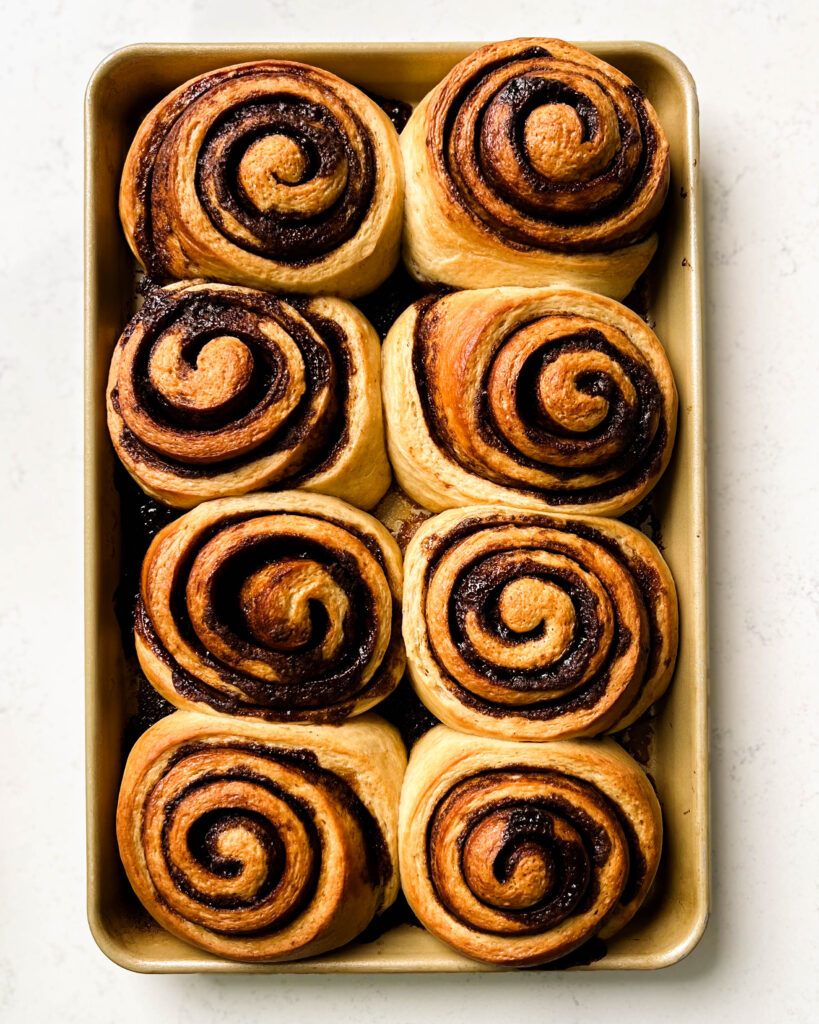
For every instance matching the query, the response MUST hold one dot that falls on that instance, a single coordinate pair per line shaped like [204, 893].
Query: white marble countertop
[755, 69]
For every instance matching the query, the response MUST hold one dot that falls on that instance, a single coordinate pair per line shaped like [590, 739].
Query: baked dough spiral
[276, 606]
[272, 174]
[217, 390]
[259, 841]
[533, 163]
[540, 398]
[515, 854]
[532, 627]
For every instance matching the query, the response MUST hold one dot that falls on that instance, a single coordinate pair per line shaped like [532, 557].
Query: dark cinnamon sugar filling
[224, 764]
[488, 145]
[319, 687]
[298, 238]
[478, 588]
[306, 234]
[534, 861]
[627, 446]
[315, 440]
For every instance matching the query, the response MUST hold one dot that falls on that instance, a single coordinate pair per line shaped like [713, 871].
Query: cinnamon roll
[516, 854]
[539, 398]
[271, 174]
[262, 842]
[285, 607]
[533, 163]
[532, 627]
[217, 390]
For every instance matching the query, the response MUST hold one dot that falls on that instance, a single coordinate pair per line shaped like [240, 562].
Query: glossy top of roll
[530, 627]
[259, 841]
[540, 398]
[533, 146]
[284, 607]
[273, 174]
[216, 390]
[516, 854]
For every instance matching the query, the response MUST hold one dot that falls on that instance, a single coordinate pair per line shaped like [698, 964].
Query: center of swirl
[527, 602]
[512, 879]
[269, 162]
[553, 138]
[282, 175]
[222, 370]
[565, 395]
[237, 846]
[524, 604]
[277, 155]
[278, 601]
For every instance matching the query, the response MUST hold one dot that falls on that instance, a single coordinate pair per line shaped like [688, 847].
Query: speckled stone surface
[754, 66]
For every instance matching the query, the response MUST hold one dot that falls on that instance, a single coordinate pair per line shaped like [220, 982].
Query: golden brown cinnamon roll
[259, 841]
[540, 398]
[217, 390]
[285, 607]
[515, 854]
[532, 627]
[533, 163]
[271, 174]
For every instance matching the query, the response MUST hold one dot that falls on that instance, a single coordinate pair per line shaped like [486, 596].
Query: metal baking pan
[674, 742]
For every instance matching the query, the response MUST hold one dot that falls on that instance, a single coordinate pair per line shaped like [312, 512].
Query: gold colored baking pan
[120, 92]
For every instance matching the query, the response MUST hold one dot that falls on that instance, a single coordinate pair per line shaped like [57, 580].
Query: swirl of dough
[217, 390]
[532, 627]
[533, 163]
[259, 841]
[515, 854]
[272, 174]
[277, 606]
[539, 398]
